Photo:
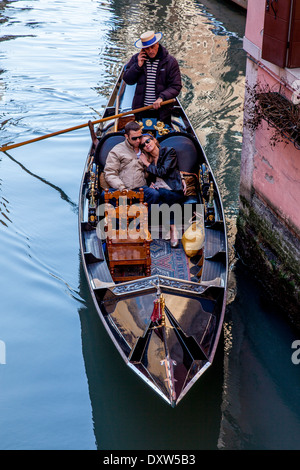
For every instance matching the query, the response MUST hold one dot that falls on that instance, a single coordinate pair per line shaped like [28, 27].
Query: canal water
[62, 384]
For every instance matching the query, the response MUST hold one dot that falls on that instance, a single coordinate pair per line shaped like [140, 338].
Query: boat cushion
[186, 150]
[105, 146]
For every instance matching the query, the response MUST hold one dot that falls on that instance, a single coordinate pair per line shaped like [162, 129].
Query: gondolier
[156, 74]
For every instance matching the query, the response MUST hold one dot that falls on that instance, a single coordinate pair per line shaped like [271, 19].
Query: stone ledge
[289, 76]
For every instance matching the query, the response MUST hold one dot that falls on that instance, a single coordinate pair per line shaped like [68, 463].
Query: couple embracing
[139, 162]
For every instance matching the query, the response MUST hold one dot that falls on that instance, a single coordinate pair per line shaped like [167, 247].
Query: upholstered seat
[187, 150]
[105, 146]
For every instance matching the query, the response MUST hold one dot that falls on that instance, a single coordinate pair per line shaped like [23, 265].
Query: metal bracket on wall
[272, 6]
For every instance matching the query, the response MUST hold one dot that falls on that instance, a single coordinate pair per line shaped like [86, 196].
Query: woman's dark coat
[166, 168]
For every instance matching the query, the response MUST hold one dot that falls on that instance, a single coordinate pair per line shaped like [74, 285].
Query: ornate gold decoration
[160, 127]
[211, 194]
[162, 307]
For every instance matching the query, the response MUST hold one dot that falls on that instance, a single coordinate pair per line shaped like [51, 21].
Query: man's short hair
[132, 126]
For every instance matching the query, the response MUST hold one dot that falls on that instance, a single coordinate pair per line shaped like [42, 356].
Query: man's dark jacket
[168, 80]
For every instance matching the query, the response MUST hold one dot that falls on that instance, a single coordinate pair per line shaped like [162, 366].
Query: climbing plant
[263, 103]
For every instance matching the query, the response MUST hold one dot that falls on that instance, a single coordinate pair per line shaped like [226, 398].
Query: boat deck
[165, 261]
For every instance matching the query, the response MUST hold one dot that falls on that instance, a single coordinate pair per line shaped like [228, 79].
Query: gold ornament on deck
[160, 127]
[211, 195]
[162, 307]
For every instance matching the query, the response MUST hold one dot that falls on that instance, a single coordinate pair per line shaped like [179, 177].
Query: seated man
[124, 170]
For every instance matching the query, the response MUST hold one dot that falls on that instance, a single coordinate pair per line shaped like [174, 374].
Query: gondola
[166, 321]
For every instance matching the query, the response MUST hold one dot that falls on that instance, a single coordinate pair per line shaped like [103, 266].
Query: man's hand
[142, 57]
[157, 103]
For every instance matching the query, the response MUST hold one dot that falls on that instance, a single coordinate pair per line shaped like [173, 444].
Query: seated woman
[163, 175]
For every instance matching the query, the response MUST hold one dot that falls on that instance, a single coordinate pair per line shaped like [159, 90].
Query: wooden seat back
[128, 245]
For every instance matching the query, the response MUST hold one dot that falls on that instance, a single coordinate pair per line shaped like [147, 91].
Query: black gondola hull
[171, 353]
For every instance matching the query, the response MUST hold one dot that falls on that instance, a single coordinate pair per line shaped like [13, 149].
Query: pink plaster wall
[255, 21]
[269, 174]
[276, 169]
[276, 176]
[270, 79]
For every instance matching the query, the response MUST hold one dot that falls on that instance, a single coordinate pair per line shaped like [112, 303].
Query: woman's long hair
[150, 158]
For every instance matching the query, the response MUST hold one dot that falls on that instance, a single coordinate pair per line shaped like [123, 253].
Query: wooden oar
[117, 110]
[109, 118]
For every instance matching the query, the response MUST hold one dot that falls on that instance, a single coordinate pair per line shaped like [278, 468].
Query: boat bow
[164, 328]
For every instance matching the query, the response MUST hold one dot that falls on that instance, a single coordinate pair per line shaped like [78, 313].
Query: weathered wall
[268, 228]
[276, 176]
[271, 250]
[255, 21]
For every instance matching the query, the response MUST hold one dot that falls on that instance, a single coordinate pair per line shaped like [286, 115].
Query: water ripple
[60, 60]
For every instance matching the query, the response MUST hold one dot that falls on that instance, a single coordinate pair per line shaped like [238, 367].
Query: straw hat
[148, 39]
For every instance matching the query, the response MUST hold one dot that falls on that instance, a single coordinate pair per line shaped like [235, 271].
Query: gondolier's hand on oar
[157, 103]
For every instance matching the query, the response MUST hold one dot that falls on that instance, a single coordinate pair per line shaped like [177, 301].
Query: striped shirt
[151, 69]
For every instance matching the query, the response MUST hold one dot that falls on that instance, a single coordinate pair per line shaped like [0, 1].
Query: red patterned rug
[167, 261]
